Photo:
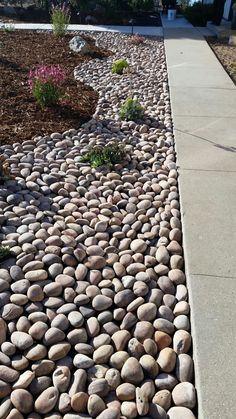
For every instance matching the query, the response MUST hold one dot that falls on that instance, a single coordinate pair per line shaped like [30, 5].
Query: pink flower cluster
[62, 7]
[45, 74]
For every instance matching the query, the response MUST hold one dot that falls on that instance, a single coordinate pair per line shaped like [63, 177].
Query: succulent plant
[109, 155]
[4, 252]
[131, 110]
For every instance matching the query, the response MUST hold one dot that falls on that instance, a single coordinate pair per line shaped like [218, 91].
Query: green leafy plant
[119, 66]
[109, 155]
[60, 16]
[131, 110]
[4, 252]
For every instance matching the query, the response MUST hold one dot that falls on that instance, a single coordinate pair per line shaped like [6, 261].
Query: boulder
[78, 44]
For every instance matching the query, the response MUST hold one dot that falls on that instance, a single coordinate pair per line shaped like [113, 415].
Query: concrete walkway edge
[142, 30]
[203, 100]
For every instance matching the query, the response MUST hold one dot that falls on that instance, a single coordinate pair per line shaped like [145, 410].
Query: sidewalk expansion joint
[213, 276]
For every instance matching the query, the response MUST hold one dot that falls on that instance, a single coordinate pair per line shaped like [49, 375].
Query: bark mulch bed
[225, 53]
[20, 117]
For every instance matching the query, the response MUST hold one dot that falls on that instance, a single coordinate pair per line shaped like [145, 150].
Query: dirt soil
[20, 117]
[226, 54]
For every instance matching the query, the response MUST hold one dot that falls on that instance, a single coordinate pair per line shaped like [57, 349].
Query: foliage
[4, 170]
[131, 110]
[119, 66]
[140, 4]
[136, 39]
[4, 252]
[184, 4]
[81, 5]
[60, 16]
[129, 4]
[45, 84]
[198, 13]
[109, 155]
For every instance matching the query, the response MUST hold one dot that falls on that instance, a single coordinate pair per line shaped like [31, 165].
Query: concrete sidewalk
[203, 100]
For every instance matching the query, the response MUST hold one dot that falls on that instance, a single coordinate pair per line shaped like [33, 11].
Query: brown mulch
[225, 53]
[20, 117]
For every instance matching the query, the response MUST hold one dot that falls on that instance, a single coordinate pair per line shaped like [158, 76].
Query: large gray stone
[78, 44]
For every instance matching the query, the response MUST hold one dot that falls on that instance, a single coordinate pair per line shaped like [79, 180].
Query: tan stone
[79, 402]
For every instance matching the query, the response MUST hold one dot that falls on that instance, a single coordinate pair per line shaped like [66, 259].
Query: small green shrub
[119, 66]
[141, 4]
[198, 13]
[109, 155]
[45, 84]
[4, 252]
[60, 16]
[131, 110]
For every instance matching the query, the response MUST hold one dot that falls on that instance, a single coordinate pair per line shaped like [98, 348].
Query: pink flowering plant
[45, 84]
[60, 15]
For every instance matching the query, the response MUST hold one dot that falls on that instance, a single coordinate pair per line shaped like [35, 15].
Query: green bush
[198, 14]
[133, 5]
[109, 155]
[141, 4]
[45, 84]
[119, 66]
[131, 110]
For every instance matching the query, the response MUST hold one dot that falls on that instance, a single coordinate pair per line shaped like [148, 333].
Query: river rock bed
[94, 305]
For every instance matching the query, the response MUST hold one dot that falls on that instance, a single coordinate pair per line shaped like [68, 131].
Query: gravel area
[94, 305]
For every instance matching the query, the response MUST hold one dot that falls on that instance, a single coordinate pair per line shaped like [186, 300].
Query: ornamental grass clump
[131, 110]
[119, 66]
[60, 16]
[45, 84]
[109, 155]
